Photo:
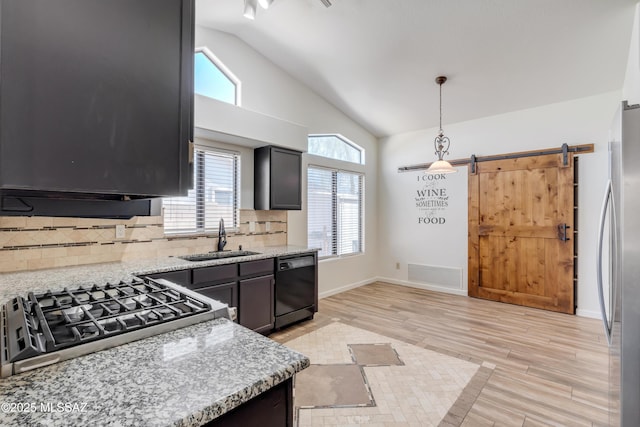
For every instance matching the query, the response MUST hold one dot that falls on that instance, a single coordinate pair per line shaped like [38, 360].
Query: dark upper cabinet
[277, 179]
[96, 97]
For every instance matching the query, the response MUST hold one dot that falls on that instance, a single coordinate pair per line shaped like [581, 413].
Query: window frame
[200, 196]
[224, 70]
[334, 208]
[344, 139]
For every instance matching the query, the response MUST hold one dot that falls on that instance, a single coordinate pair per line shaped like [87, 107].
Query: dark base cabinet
[226, 293]
[256, 293]
[256, 311]
[180, 277]
[265, 299]
[273, 408]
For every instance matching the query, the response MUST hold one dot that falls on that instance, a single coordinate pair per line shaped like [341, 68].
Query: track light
[250, 9]
[327, 3]
[265, 3]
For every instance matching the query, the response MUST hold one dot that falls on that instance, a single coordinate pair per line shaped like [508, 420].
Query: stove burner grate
[55, 320]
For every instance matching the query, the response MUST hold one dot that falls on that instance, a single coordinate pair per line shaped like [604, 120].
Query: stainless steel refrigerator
[619, 267]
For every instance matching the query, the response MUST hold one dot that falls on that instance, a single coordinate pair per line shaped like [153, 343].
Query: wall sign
[432, 198]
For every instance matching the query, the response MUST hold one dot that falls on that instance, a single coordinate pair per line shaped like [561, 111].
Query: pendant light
[441, 143]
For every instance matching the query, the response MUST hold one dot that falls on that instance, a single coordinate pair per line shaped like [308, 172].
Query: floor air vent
[445, 277]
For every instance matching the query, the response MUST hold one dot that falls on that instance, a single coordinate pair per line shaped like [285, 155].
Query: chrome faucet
[222, 236]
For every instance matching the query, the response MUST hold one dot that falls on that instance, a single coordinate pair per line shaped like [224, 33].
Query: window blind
[214, 195]
[334, 211]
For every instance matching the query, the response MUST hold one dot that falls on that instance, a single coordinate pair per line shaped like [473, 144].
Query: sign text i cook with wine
[431, 198]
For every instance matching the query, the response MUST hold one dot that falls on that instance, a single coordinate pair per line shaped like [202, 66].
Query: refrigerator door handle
[603, 215]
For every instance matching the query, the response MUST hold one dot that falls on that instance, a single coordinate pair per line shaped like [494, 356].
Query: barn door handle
[562, 232]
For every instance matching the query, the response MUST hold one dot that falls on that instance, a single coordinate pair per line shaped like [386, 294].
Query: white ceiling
[376, 60]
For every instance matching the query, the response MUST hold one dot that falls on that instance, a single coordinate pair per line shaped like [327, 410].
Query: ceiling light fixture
[265, 3]
[250, 9]
[441, 143]
[327, 3]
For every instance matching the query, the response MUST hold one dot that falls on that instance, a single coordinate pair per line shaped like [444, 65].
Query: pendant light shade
[441, 143]
[440, 166]
[265, 3]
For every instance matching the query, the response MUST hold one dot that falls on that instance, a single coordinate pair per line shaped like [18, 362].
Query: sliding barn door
[521, 232]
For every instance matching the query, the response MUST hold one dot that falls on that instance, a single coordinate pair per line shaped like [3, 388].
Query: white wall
[267, 89]
[405, 241]
[392, 234]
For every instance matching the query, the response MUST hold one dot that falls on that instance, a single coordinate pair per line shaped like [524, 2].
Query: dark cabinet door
[277, 179]
[226, 293]
[255, 303]
[96, 97]
[273, 408]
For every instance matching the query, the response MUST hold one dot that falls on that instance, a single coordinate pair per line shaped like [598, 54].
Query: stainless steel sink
[217, 255]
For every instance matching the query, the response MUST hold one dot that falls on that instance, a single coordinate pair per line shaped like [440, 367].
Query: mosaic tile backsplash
[31, 243]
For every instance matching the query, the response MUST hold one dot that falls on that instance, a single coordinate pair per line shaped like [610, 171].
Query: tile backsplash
[31, 243]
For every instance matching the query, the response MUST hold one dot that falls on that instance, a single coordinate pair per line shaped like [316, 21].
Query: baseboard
[346, 288]
[461, 292]
[589, 313]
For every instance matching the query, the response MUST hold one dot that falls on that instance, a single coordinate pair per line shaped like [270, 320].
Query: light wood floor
[551, 368]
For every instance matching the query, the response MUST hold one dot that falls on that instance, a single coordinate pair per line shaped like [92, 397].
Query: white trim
[346, 288]
[581, 313]
[225, 70]
[589, 313]
[328, 258]
[461, 292]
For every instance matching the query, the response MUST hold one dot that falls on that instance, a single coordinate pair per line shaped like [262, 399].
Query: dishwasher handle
[296, 262]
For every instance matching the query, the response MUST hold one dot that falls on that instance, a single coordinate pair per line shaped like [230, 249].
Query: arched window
[337, 147]
[214, 79]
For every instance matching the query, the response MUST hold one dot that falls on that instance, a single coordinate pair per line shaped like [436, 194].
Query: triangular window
[213, 79]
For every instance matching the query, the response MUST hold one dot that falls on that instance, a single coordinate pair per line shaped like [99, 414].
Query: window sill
[339, 257]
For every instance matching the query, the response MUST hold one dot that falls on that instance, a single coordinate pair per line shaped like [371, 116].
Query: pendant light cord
[440, 107]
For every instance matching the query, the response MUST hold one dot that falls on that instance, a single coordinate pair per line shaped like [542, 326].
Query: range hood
[71, 205]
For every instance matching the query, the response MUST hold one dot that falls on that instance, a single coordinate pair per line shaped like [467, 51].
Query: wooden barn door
[521, 232]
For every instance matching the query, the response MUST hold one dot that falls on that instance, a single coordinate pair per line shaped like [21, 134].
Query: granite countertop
[20, 283]
[186, 377]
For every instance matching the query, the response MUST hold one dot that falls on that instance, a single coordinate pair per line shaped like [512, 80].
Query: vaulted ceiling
[376, 60]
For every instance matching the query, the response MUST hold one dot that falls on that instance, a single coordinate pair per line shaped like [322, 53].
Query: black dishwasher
[296, 290]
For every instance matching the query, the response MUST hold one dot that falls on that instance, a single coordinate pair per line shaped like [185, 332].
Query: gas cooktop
[46, 328]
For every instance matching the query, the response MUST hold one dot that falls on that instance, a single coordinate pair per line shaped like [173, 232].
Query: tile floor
[408, 385]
